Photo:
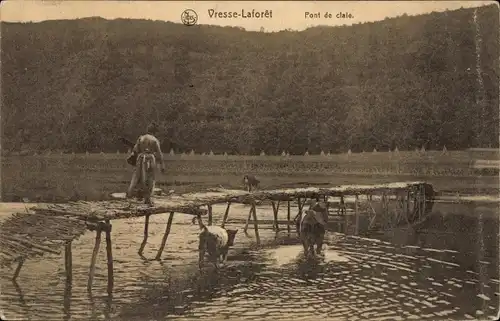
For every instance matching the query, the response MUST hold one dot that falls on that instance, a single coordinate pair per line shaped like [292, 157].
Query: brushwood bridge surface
[51, 227]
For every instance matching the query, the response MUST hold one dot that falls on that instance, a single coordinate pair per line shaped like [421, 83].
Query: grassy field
[60, 177]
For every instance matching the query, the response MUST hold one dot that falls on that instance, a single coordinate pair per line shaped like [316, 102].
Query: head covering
[318, 207]
[152, 128]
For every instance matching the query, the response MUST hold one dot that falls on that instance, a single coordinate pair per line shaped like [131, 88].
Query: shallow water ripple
[359, 278]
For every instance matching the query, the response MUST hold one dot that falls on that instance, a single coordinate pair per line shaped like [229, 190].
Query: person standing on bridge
[147, 142]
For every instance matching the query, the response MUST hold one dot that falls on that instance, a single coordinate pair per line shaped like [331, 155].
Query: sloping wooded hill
[429, 80]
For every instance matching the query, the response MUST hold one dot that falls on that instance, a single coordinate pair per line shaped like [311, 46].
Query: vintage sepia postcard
[249, 160]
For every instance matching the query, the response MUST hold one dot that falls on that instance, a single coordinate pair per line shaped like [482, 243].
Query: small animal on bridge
[250, 182]
[214, 242]
[312, 228]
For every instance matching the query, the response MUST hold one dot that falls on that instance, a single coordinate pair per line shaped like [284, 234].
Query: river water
[447, 269]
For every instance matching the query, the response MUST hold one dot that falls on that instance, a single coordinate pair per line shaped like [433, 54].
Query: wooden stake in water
[94, 259]
[146, 232]
[407, 211]
[255, 224]
[226, 214]
[298, 217]
[276, 208]
[407, 216]
[165, 236]
[344, 212]
[384, 208]
[109, 256]
[18, 268]
[356, 213]
[422, 202]
[68, 263]
[374, 217]
[248, 220]
[288, 217]
[209, 215]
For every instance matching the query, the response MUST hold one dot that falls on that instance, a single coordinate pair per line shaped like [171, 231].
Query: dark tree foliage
[428, 80]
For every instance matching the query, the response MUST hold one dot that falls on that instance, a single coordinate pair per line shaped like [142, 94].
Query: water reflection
[447, 268]
[20, 295]
[67, 300]
[357, 277]
[310, 268]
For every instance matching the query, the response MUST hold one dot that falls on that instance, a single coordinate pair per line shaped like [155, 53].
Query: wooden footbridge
[49, 228]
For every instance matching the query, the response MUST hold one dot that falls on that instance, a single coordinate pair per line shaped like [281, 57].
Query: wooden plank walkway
[53, 224]
[50, 227]
[27, 236]
[219, 196]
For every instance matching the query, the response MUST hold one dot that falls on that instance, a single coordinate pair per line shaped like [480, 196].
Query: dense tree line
[428, 80]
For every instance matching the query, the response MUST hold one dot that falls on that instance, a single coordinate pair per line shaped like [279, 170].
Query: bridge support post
[226, 214]
[68, 263]
[18, 269]
[68, 267]
[422, 198]
[406, 210]
[146, 232]
[385, 211]
[248, 220]
[109, 256]
[408, 207]
[342, 210]
[255, 223]
[276, 207]
[99, 228]
[288, 217]
[398, 214]
[165, 236]
[298, 217]
[416, 205]
[374, 217]
[94, 259]
[210, 218]
[356, 213]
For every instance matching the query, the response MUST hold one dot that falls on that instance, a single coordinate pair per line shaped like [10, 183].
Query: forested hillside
[429, 80]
